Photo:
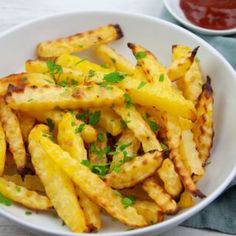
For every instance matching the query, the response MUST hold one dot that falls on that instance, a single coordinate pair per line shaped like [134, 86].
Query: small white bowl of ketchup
[212, 17]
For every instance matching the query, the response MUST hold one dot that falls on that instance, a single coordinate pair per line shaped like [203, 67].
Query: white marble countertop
[13, 12]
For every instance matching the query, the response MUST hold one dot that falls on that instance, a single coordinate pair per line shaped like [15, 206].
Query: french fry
[127, 137]
[31, 182]
[162, 198]
[91, 212]
[150, 211]
[95, 188]
[186, 200]
[114, 59]
[170, 178]
[203, 128]
[26, 125]
[110, 121]
[2, 150]
[36, 99]
[24, 79]
[79, 41]
[13, 134]
[153, 69]
[67, 74]
[140, 128]
[189, 154]
[179, 67]
[163, 99]
[69, 137]
[21, 195]
[58, 186]
[134, 171]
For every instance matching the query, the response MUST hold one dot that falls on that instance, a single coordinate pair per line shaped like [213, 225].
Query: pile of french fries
[79, 137]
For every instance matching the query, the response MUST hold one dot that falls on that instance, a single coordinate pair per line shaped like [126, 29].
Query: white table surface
[13, 12]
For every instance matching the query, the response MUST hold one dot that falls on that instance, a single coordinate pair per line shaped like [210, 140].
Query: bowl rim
[194, 27]
[172, 221]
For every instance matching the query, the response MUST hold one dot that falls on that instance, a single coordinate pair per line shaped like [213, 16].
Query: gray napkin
[221, 214]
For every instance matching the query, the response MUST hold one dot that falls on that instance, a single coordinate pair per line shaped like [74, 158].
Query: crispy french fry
[170, 178]
[67, 74]
[158, 194]
[110, 121]
[91, 211]
[36, 99]
[127, 138]
[57, 184]
[134, 171]
[189, 153]
[79, 41]
[141, 129]
[24, 79]
[163, 99]
[2, 150]
[179, 67]
[21, 195]
[69, 137]
[13, 134]
[95, 188]
[26, 125]
[114, 59]
[203, 127]
[153, 69]
[186, 200]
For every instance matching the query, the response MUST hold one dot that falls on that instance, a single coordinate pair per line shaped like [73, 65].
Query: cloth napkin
[221, 214]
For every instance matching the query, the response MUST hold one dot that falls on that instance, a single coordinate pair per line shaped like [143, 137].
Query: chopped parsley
[28, 213]
[154, 126]
[162, 78]
[122, 147]
[50, 124]
[140, 55]
[142, 84]
[54, 68]
[164, 147]
[128, 100]
[73, 123]
[5, 201]
[197, 60]
[114, 77]
[83, 115]
[94, 117]
[100, 152]
[63, 83]
[80, 61]
[74, 82]
[117, 168]
[117, 193]
[128, 201]
[101, 137]
[113, 60]
[18, 189]
[24, 79]
[105, 66]
[123, 124]
[49, 136]
[91, 73]
[80, 128]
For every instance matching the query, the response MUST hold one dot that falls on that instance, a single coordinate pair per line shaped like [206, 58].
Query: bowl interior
[18, 45]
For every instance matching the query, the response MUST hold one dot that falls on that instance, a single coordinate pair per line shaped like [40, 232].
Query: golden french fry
[95, 188]
[66, 74]
[140, 128]
[179, 67]
[58, 186]
[13, 134]
[26, 125]
[163, 99]
[153, 69]
[21, 195]
[114, 59]
[203, 128]
[69, 137]
[186, 200]
[2, 150]
[189, 153]
[162, 198]
[134, 171]
[79, 41]
[127, 138]
[36, 99]
[150, 211]
[110, 121]
[91, 211]
[24, 79]
[170, 178]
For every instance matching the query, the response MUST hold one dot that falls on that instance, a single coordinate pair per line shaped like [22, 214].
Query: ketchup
[210, 14]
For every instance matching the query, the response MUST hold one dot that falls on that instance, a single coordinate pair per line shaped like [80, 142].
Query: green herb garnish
[80, 61]
[80, 128]
[91, 73]
[101, 137]
[54, 69]
[5, 201]
[140, 55]
[28, 213]
[142, 84]
[162, 77]
[114, 77]
[128, 201]
[154, 126]
[50, 124]
[94, 117]
[113, 60]
[128, 100]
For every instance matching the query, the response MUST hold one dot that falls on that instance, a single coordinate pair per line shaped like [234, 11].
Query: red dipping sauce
[210, 14]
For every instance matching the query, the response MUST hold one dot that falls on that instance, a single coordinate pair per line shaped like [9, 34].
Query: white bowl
[174, 8]
[18, 45]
